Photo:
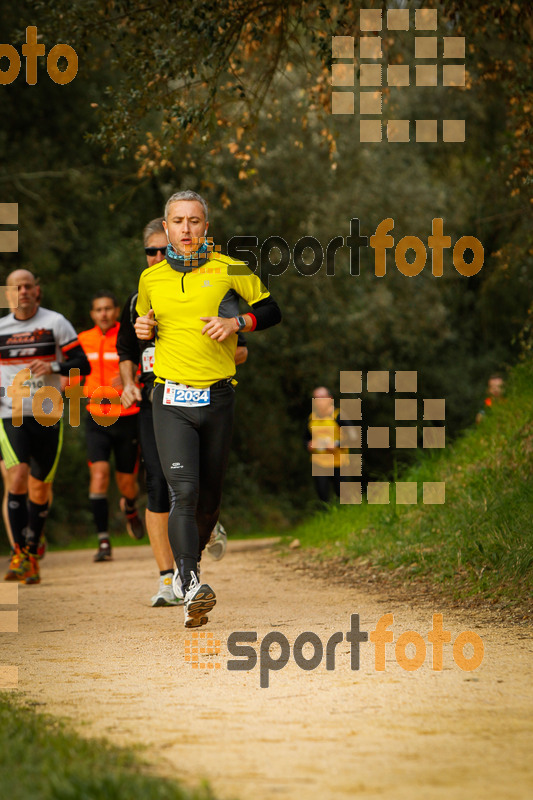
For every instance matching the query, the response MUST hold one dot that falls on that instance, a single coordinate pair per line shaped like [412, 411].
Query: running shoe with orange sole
[13, 570]
[23, 567]
[33, 575]
[198, 602]
[41, 548]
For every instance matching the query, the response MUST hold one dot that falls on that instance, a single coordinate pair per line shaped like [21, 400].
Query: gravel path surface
[90, 648]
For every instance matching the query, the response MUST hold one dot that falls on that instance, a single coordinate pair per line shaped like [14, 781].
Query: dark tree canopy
[233, 100]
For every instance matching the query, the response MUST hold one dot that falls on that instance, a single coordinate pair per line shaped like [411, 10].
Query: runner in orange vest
[103, 437]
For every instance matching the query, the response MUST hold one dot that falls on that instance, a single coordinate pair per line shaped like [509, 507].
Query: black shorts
[156, 483]
[34, 444]
[121, 438]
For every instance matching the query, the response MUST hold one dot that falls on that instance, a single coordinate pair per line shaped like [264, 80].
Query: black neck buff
[185, 263]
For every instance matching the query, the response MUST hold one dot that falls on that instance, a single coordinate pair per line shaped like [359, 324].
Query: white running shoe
[199, 601]
[216, 546]
[166, 596]
[177, 586]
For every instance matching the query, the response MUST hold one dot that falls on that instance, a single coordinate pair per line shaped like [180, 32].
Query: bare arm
[241, 354]
[130, 392]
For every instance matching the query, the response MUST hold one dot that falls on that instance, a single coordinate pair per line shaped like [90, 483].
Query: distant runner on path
[121, 437]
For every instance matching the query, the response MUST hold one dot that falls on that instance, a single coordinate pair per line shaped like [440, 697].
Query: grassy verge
[480, 541]
[89, 541]
[41, 758]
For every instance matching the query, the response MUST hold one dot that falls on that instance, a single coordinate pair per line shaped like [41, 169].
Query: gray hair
[154, 226]
[186, 195]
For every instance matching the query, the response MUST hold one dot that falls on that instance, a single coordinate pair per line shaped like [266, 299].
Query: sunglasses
[153, 251]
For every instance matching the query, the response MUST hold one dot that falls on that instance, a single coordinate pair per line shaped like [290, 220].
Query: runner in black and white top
[37, 347]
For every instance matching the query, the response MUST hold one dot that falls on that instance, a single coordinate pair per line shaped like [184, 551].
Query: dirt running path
[91, 648]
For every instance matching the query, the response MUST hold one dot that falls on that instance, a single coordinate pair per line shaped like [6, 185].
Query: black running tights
[193, 446]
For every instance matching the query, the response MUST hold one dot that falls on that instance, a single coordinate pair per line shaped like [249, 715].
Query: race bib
[178, 394]
[148, 356]
[34, 384]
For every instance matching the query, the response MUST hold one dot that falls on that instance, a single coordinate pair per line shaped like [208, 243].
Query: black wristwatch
[241, 322]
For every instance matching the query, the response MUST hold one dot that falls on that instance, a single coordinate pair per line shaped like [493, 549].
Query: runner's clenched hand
[219, 328]
[144, 326]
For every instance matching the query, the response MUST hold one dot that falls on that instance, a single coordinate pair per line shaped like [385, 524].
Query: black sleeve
[127, 342]
[266, 313]
[75, 358]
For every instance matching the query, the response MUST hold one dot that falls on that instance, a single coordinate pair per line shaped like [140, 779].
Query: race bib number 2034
[178, 394]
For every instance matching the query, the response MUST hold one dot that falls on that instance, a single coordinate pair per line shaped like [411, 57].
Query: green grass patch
[123, 540]
[89, 540]
[480, 541]
[41, 758]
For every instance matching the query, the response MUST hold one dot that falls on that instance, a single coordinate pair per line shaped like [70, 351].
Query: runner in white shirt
[45, 344]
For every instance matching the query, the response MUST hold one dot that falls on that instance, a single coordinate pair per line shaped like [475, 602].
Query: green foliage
[41, 758]
[180, 71]
[232, 100]
[480, 540]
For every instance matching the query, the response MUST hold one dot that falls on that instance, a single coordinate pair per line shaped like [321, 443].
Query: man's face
[158, 240]
[104, 313]
[495, 387]
[28, 291]
[186, 226]
[322, 403]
